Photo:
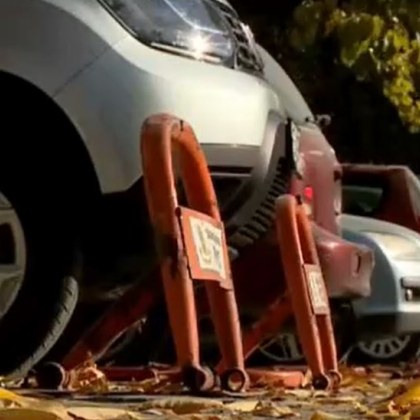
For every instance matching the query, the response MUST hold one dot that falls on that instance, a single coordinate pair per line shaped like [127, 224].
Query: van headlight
[396, 246]
[194, 28]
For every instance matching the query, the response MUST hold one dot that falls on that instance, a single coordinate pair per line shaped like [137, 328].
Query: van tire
[36, 179]
[62, 312]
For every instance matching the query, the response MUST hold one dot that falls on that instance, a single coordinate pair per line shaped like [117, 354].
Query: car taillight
[308, 193]
[308, 199]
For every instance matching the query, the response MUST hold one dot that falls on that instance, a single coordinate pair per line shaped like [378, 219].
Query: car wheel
[118, 348]
[47, 268]
[12, 255]
[52, 328]
[385, 351]
[283, 349]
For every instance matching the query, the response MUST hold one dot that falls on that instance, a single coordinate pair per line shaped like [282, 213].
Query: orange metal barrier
[306, 296]
[192, 246]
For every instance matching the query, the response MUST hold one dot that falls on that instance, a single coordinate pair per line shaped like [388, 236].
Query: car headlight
[191, 27]
[396, 246]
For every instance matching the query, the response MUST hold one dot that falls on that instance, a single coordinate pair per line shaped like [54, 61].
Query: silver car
[387, 323]
[78, 78]
[384, 327]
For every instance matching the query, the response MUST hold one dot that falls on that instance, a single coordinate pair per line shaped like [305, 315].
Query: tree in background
[358, 60]
[378, 40]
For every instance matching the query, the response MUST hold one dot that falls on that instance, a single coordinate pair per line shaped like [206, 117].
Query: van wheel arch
[47, 174]
[75, 169]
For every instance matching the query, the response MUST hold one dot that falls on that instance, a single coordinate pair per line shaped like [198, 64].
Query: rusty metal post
[306, 299]
[323, 320]
[305, 284]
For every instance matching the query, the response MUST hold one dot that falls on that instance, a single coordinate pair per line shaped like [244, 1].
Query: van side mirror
[323, 120]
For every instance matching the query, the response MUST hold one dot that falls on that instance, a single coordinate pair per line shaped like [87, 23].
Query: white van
[77, 80]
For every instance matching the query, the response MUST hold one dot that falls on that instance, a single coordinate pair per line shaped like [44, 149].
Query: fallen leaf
[407, 395]
[160, 384]
[87, 378]
[384, 372]
[302, 394]
[301, 404]
[159, 412]
[245, 406]
[50, 409]
[387, 407]
[415, 412]
[97, 413]
[275, 393]
[335, 400]
[307, 379]
[181, 406]
[358, 379]
[366, 411]
[28, 414]
[320, 415]
[146, 386]
[9, 395]
[269, 409]
[320, 394]
[9, 399]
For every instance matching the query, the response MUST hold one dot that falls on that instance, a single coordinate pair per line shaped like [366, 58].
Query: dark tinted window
[362, 200]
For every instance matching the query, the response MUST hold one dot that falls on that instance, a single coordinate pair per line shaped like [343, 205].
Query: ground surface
[375, 393]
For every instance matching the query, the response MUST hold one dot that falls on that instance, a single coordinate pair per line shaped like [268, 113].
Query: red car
[390, 193]
[347, 267]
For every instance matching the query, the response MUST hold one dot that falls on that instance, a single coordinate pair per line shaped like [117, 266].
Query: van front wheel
[44, 257]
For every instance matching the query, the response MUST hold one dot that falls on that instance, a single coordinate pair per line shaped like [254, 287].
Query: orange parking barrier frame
[191, 246]
[306, 298]
[307, 290]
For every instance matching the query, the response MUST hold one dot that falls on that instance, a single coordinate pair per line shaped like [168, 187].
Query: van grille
[263, 218]
[247, 58]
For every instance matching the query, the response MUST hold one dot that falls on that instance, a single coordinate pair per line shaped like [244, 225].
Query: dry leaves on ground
[369, 393]
[89, 379]
[17, 407]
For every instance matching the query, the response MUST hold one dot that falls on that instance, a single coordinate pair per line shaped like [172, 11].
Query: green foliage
[378, 40]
